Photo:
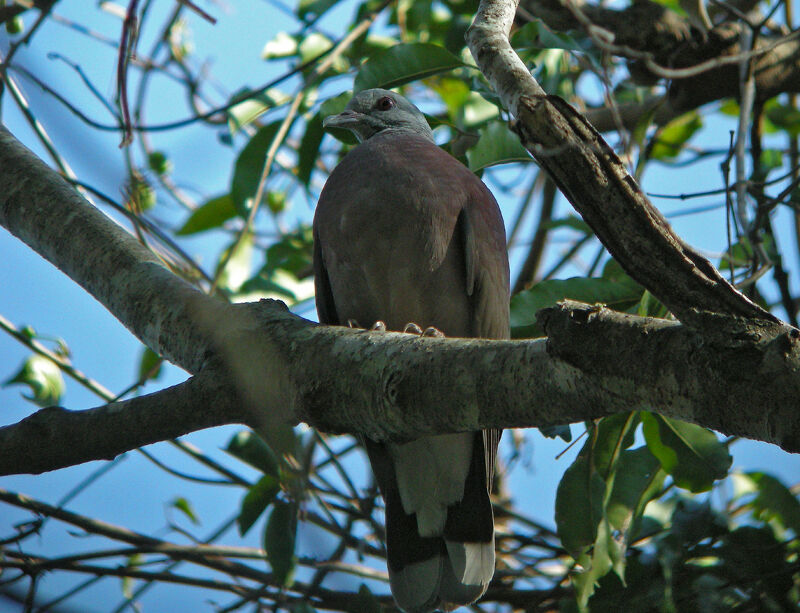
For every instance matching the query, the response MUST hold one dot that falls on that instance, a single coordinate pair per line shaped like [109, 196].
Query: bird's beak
[346, 119]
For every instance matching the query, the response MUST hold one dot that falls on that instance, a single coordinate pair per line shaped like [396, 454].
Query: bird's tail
[443, 571]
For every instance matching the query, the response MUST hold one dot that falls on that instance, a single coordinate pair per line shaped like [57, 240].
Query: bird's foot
[412, 328]
[378, 326]
[352, 323]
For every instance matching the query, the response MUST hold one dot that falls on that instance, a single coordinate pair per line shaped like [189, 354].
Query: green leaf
[770, 160]
[537, 35]
[785, 117]
[258, 498]
[579, 506]
[292, 253]
[159, 162]
[280, 536]
[239, 265]
[133, 562]
[316, 8]
[672, 137]
[252, 106]
[313, 45]
[616, 293]
[248, 447]
[563, 432]
[309, 148]
[404, 63]
[603, 556]
[212, 214]
[496, 145]
[692, 455]
[149, 365]
[282, 46]
[43, 378]
[637, 479]
[611, 436]
[571, 221]
[453, 92]
[773, 499]
[185, 507]
[249, 166]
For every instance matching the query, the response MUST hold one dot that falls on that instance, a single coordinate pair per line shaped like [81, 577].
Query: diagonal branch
[596, 182]
[47, 213]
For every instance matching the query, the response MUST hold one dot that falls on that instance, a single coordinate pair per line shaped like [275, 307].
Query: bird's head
[375, 110]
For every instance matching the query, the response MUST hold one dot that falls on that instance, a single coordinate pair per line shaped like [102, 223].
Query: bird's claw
[378, 326]
[412, 328]
[352, 323]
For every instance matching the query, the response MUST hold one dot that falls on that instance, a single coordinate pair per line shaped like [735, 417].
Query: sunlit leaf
[43, 378]
[212, 214]
[252, 106]
[670, 139]
[404, 63]
[184, 506]
[313, 45]
[239, 265]
[283, 45]
[597, 563]
[691, 454]
[773, 500]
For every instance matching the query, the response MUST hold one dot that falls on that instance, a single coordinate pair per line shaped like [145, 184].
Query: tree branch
[56, 437]
[596, 182]
[47, 213]
[714, 376]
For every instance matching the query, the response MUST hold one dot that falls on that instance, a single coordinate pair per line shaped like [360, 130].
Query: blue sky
[33, 292]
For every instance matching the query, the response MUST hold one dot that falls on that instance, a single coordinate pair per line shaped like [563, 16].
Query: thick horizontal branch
[736, 376]
[56, 437]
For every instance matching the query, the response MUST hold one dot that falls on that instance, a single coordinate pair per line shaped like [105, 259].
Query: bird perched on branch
[404, 232]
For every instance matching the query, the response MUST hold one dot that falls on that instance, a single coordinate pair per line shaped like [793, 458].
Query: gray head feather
[375, 110]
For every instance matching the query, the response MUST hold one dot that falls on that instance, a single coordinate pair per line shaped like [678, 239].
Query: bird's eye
[385, 103]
